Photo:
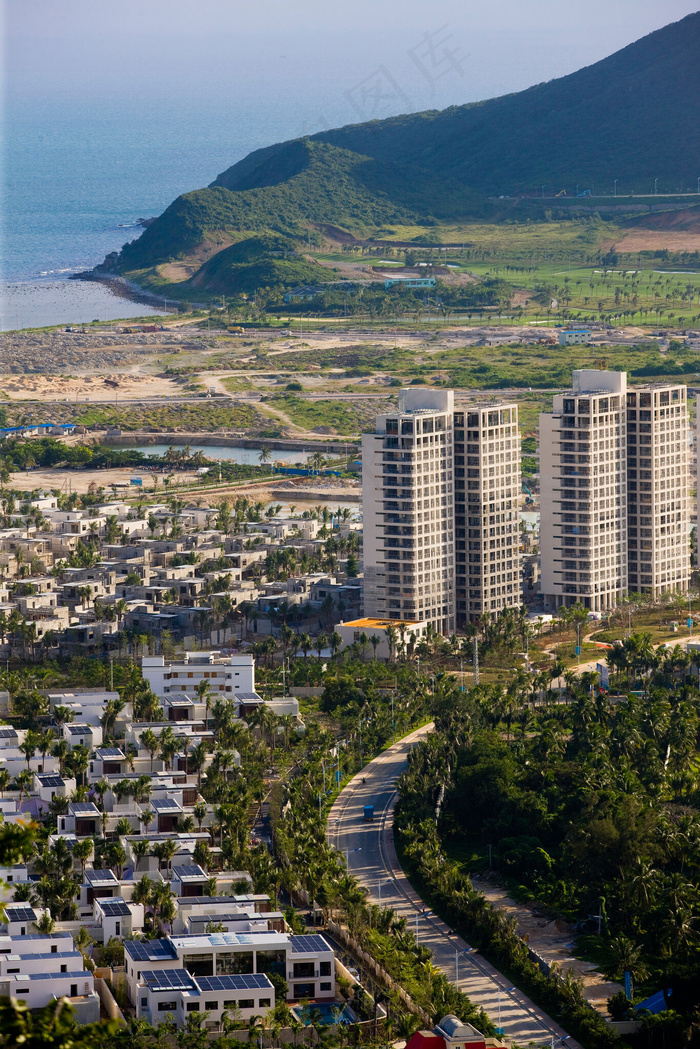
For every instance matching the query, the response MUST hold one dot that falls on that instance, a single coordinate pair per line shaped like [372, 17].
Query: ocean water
[79, 180]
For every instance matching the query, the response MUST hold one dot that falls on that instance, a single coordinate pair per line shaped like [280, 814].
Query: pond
[246, 456]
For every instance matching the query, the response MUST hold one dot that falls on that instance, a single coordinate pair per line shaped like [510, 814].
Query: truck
[369, 813]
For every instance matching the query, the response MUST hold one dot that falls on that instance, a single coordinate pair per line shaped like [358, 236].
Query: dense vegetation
[265, 261]
[591, 808]
[301, 861]
[326, 185]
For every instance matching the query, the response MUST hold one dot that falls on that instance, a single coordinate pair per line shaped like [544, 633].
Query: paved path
[371, 857]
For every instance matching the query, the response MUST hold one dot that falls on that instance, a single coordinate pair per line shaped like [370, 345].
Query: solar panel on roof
[93, 876]
[249, 696]
[110, 752]
[233, 981]
[50, 780]
[79, 807]
[165, 803]
[114, 908]
[308, 944]
[149, 951]
[7, 733]
[19, 913]
[188, 871]
[52, 976]
[168, 979]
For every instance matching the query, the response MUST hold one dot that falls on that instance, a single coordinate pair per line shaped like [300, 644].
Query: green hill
[305, 183]
[627, 117]
[630, 117]
[268, 261]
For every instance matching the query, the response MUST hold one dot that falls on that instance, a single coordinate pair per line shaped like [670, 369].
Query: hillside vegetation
[324, 185]
[266, 261]
[626, 117]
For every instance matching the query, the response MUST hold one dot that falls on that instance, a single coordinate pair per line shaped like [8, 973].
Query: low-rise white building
[38, 969]
[307, 963]
[174, 994]
[224, 674]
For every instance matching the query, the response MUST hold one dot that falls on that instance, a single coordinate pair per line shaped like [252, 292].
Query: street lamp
[655, 181]
[389, 881]
[578, 643]
[615, 181]
[508, 990]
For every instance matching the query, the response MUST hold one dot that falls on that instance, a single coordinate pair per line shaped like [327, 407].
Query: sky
[415, 54]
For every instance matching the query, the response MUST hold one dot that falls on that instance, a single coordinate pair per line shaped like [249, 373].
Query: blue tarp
[655, 1003]
[295, 471]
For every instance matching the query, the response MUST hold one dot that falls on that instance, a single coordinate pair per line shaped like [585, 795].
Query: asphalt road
[371, 857]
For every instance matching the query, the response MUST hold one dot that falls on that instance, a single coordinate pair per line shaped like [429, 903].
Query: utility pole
[476, 660]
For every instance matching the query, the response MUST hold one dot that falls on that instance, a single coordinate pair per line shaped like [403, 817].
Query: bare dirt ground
[552, 940]
[658, 240]
[80, 480]
[349, 270]
[132, 386]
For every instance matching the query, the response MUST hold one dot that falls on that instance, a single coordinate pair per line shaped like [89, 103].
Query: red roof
[425, 1040]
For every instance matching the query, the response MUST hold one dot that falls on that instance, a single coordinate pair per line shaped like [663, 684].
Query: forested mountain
[631, 117]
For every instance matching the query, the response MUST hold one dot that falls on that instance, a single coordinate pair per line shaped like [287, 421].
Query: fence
[379, 974]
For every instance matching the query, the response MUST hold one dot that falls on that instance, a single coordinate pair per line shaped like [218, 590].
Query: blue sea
[80, 178]
[112, 110]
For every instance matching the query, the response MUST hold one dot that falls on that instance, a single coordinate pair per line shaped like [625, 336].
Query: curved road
[370, 855]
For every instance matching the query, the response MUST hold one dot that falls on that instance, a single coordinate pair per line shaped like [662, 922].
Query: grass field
[345, 417]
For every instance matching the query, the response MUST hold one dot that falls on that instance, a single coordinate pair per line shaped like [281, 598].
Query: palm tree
[197, 758]
[46, 924]
[29, 746]
[62, 716]
[168, 746]
[164, 851]
[203, 691]
[147, 817]
[82, 851]
[23, 782]
[140, 849]
[151, 743]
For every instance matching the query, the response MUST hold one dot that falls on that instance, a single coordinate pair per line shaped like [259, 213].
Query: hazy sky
[416, 54]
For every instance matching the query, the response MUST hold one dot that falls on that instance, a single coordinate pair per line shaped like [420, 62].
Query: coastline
[126, 289]
[54, 301]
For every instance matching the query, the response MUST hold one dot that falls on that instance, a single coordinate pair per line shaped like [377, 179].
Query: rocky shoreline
[127, 289]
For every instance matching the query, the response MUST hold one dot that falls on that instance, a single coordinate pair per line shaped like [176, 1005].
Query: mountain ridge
[628, 117]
